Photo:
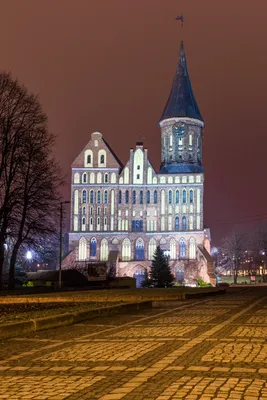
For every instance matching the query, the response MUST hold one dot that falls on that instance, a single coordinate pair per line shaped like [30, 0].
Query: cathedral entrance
[180, 274]
[139, 275]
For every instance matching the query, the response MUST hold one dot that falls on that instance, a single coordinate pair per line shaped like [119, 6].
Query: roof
[112, 152]
[205, 253]
[181, 101]
[181, 169]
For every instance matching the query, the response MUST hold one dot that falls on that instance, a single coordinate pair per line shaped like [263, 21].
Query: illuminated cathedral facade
[120, 213]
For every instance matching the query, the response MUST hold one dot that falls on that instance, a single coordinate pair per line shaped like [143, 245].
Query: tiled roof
[181, 169]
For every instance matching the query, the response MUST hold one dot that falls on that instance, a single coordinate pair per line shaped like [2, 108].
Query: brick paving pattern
[212, 348]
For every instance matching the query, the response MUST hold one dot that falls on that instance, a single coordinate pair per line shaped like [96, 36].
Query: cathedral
[121, 213]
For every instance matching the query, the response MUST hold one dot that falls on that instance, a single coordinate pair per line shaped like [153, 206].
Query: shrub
[201, 283]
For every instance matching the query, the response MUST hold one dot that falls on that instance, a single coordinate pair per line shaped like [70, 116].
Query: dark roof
[181, 169]
[205, 253]
[112, 152]
[181, 101]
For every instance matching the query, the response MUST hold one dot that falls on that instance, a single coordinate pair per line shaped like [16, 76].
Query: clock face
[179, 129]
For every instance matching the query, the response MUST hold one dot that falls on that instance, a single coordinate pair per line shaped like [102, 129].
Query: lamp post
[60, 243]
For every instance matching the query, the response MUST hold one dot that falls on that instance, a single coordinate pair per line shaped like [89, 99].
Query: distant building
[122, 212]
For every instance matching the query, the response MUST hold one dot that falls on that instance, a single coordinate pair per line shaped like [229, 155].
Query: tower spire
[181, 101]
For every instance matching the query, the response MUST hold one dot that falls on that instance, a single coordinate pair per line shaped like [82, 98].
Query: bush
[201, 283]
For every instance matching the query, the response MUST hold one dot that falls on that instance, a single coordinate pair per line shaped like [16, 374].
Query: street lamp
[60, 242]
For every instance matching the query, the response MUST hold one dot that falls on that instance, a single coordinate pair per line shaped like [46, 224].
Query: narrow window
[148, 197]
[84, 178]
[138, 166]
[84, 210]
[134, 197]
[119, 197]
[98, 197]
[170, 196]
[184, 196]
[184, 223]
[155, 197]
[177, 223]
[127, 196]
[106, 178]
[91, 196]
[177, 196]
[141, 196]
[84, 196]
[138, 176]
[102, 159]
[106, 197]
[89, 159]
[191, 196]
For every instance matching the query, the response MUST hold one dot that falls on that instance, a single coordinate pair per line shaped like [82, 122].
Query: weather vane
[180, 18]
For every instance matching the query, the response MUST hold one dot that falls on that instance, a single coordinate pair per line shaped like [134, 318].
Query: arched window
[76, 178]
[184, 196]
[93, 247]
[102, 158]
[126, 250]
[148, 197]
[89, 159]
[92, 177]
[83, 221]
[155, 197]
[106, 178]
[84, 210]
[98, 197]
[104, 250]
[113, 177]
[141, 196]
[84, 196]
[91, 196]
[192, 249]
[170, 196]
[84, 178]
[127, 196]
[177, 223]
[134, 197]
[182, 248]
[152, 245]
[106, 197]
[177, 196]
[82, 249]
[172, 249]
[191, 196]
[119, 197]
[126, 175]
[99, 177]
[139, 250]
[184, 223]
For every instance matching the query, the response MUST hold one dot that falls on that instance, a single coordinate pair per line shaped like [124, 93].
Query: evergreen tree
[146, 282]
[160, 273]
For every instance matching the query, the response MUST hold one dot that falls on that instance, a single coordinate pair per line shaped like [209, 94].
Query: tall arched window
[172, 249]
[92, 177]
[106, 178]
[170, 196]
[99, 177]
[98, 197]
[184, 196]
[134, 197]
[104, 250]
[152, 245]
[76, 178]
[177, 223]
[127, 196]
[93, 247]
[155, 197]
[106, 197]
[139, 250]
[102, 158]
[113, 177]
[184, 223]
[84, 196]
[148, 197]
[126, 250]
[192, 248]
[88, 158]
[84, 178]
[141, 196]
[82, 249]
[191, 196]
[177, 196]
[182, 248]
[84, 210]
[91, 196]
[119, 197]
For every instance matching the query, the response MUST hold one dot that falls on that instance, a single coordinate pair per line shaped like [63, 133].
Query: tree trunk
[2, 259]
[11, 278]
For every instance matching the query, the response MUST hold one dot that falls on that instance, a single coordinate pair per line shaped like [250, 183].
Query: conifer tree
[160, 273]
[146, 281]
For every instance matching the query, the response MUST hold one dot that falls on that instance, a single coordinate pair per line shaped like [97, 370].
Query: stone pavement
[212, 348]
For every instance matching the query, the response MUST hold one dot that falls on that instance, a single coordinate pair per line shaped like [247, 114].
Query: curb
[55, 321]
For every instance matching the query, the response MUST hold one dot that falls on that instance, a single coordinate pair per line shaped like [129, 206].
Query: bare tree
[233, 247]
[29, 175]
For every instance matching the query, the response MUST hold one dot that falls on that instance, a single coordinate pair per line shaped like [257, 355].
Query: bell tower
[181, 125]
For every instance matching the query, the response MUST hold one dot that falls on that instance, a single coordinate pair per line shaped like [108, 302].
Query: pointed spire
[181, 102]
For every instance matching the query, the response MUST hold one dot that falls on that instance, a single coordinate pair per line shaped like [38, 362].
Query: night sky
[108, 65]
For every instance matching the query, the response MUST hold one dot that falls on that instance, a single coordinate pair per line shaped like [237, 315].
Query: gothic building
[120, 213]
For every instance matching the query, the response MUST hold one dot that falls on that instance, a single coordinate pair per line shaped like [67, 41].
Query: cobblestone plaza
[213, 348]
